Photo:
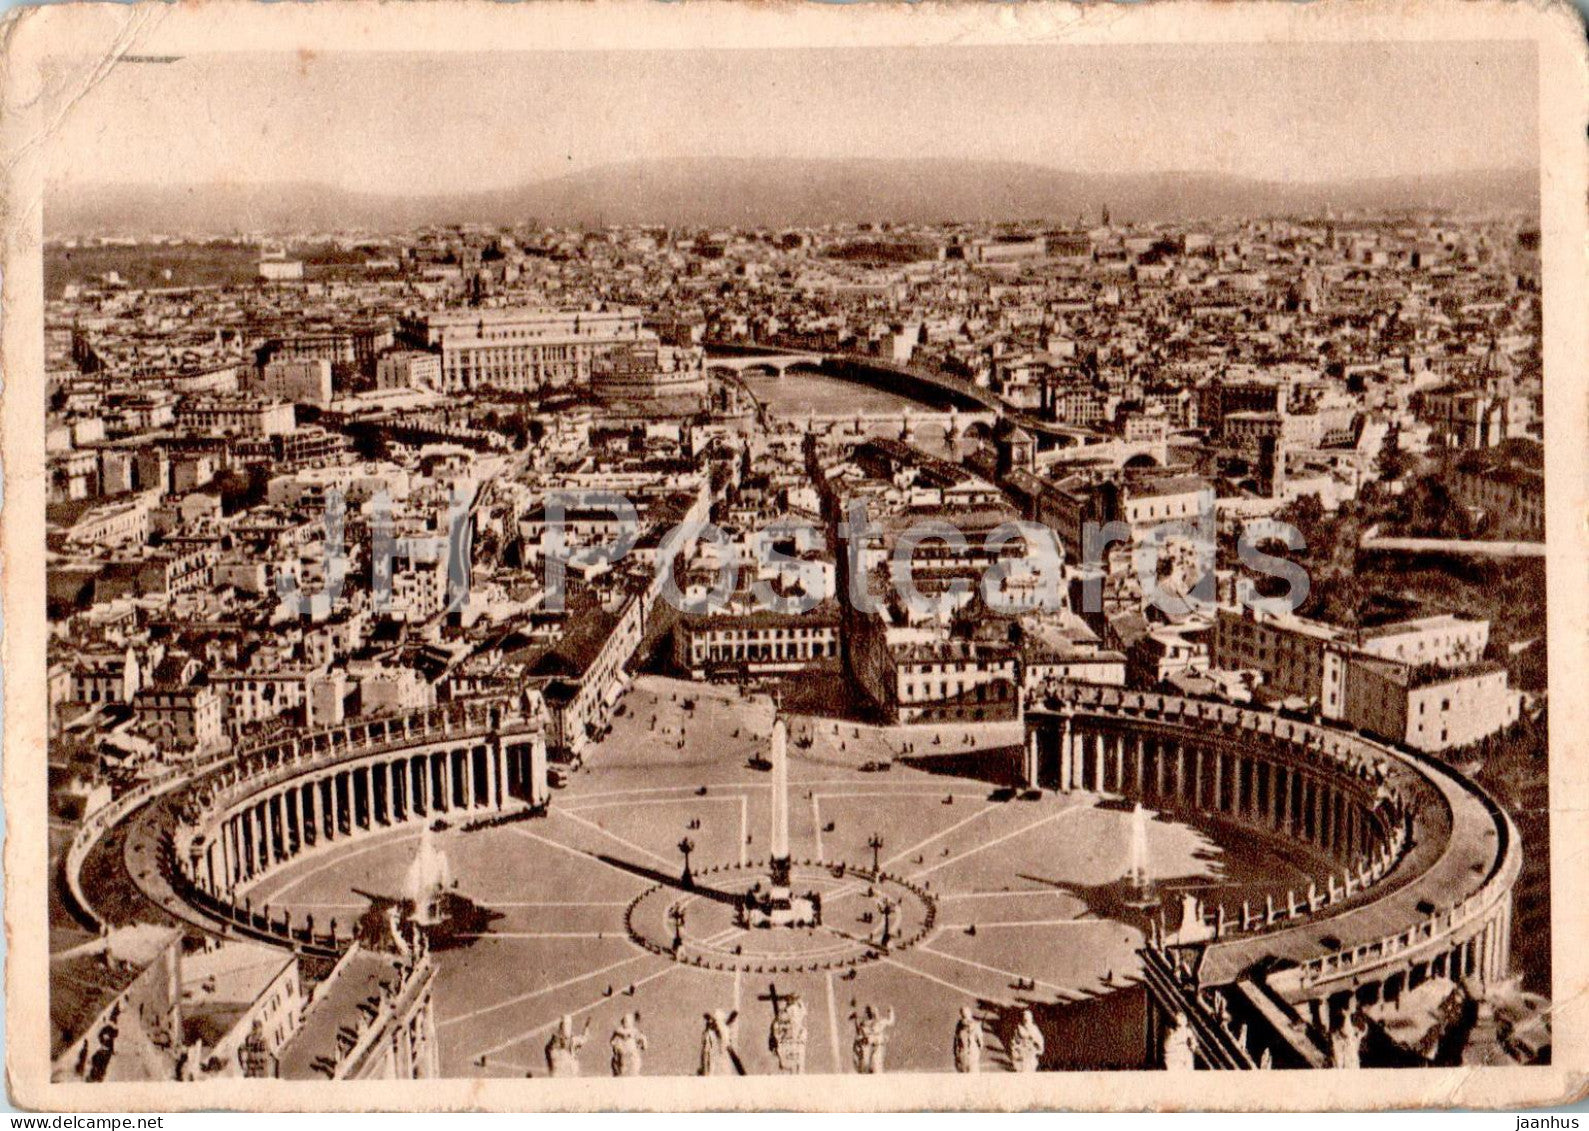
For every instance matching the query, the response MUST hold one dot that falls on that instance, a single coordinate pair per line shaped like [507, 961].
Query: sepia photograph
[731, 549]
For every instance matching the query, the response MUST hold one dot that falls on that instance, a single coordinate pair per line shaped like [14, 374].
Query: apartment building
[755, 643]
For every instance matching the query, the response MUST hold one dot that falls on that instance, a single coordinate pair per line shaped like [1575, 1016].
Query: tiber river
[801, 392]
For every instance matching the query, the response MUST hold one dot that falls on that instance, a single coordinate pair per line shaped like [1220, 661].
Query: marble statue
[787, 1040]
[562, 1050]
[1346, 1043]
[968, 1042]
[1026, 1046]
[718, 1056]
[872, 1032]
[1180, 1045]
[628, 1045]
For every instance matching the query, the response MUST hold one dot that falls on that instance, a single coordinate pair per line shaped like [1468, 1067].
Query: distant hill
[743, 192]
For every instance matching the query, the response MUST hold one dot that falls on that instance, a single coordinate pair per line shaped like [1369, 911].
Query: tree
[1392, 460]
[1306, 513]
[371, 444]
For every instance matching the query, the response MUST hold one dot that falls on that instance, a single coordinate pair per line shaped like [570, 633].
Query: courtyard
[1023, 892]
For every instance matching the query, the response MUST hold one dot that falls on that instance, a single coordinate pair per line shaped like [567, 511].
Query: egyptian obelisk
[778, 755]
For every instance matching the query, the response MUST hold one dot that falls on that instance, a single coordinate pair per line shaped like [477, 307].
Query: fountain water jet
[428, 878]
[1138, 876]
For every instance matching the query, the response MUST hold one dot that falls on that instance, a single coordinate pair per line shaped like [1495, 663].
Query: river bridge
[930, 386]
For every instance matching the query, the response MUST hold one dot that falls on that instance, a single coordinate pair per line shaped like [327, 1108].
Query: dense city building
[532, 560]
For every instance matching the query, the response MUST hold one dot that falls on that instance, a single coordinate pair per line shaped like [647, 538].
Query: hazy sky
[441, 123]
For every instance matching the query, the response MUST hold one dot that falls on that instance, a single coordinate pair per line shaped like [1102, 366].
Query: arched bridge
[779, 363]
[933, 387]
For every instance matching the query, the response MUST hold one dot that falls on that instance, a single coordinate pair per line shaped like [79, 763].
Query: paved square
[1011, 884]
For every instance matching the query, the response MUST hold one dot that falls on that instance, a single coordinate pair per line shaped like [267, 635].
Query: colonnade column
[537, 768]
[229, 850]
[245, 832]
[380, 799]
[1498, 936]
[267, 835]
[261, 839]
[267, 810]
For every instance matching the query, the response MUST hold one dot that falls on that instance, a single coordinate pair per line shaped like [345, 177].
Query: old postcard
[617, 555]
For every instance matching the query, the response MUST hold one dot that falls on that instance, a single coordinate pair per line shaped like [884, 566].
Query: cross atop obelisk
[778, 756]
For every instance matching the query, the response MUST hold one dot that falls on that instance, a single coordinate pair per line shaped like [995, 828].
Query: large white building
[1306, 659]
[1421, 682]
[755, 643]
[408, 369]
[1429, 708]
[237, 415]
[522, 348]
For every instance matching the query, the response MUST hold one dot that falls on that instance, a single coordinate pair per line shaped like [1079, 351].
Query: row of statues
[787, 1038]
[628, 1047]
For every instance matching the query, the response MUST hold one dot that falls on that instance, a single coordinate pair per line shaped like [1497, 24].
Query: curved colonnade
[232, 824]
[1422, 861]
[1426, 862]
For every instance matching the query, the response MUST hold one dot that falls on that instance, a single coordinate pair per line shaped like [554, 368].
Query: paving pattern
[1016, 887]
